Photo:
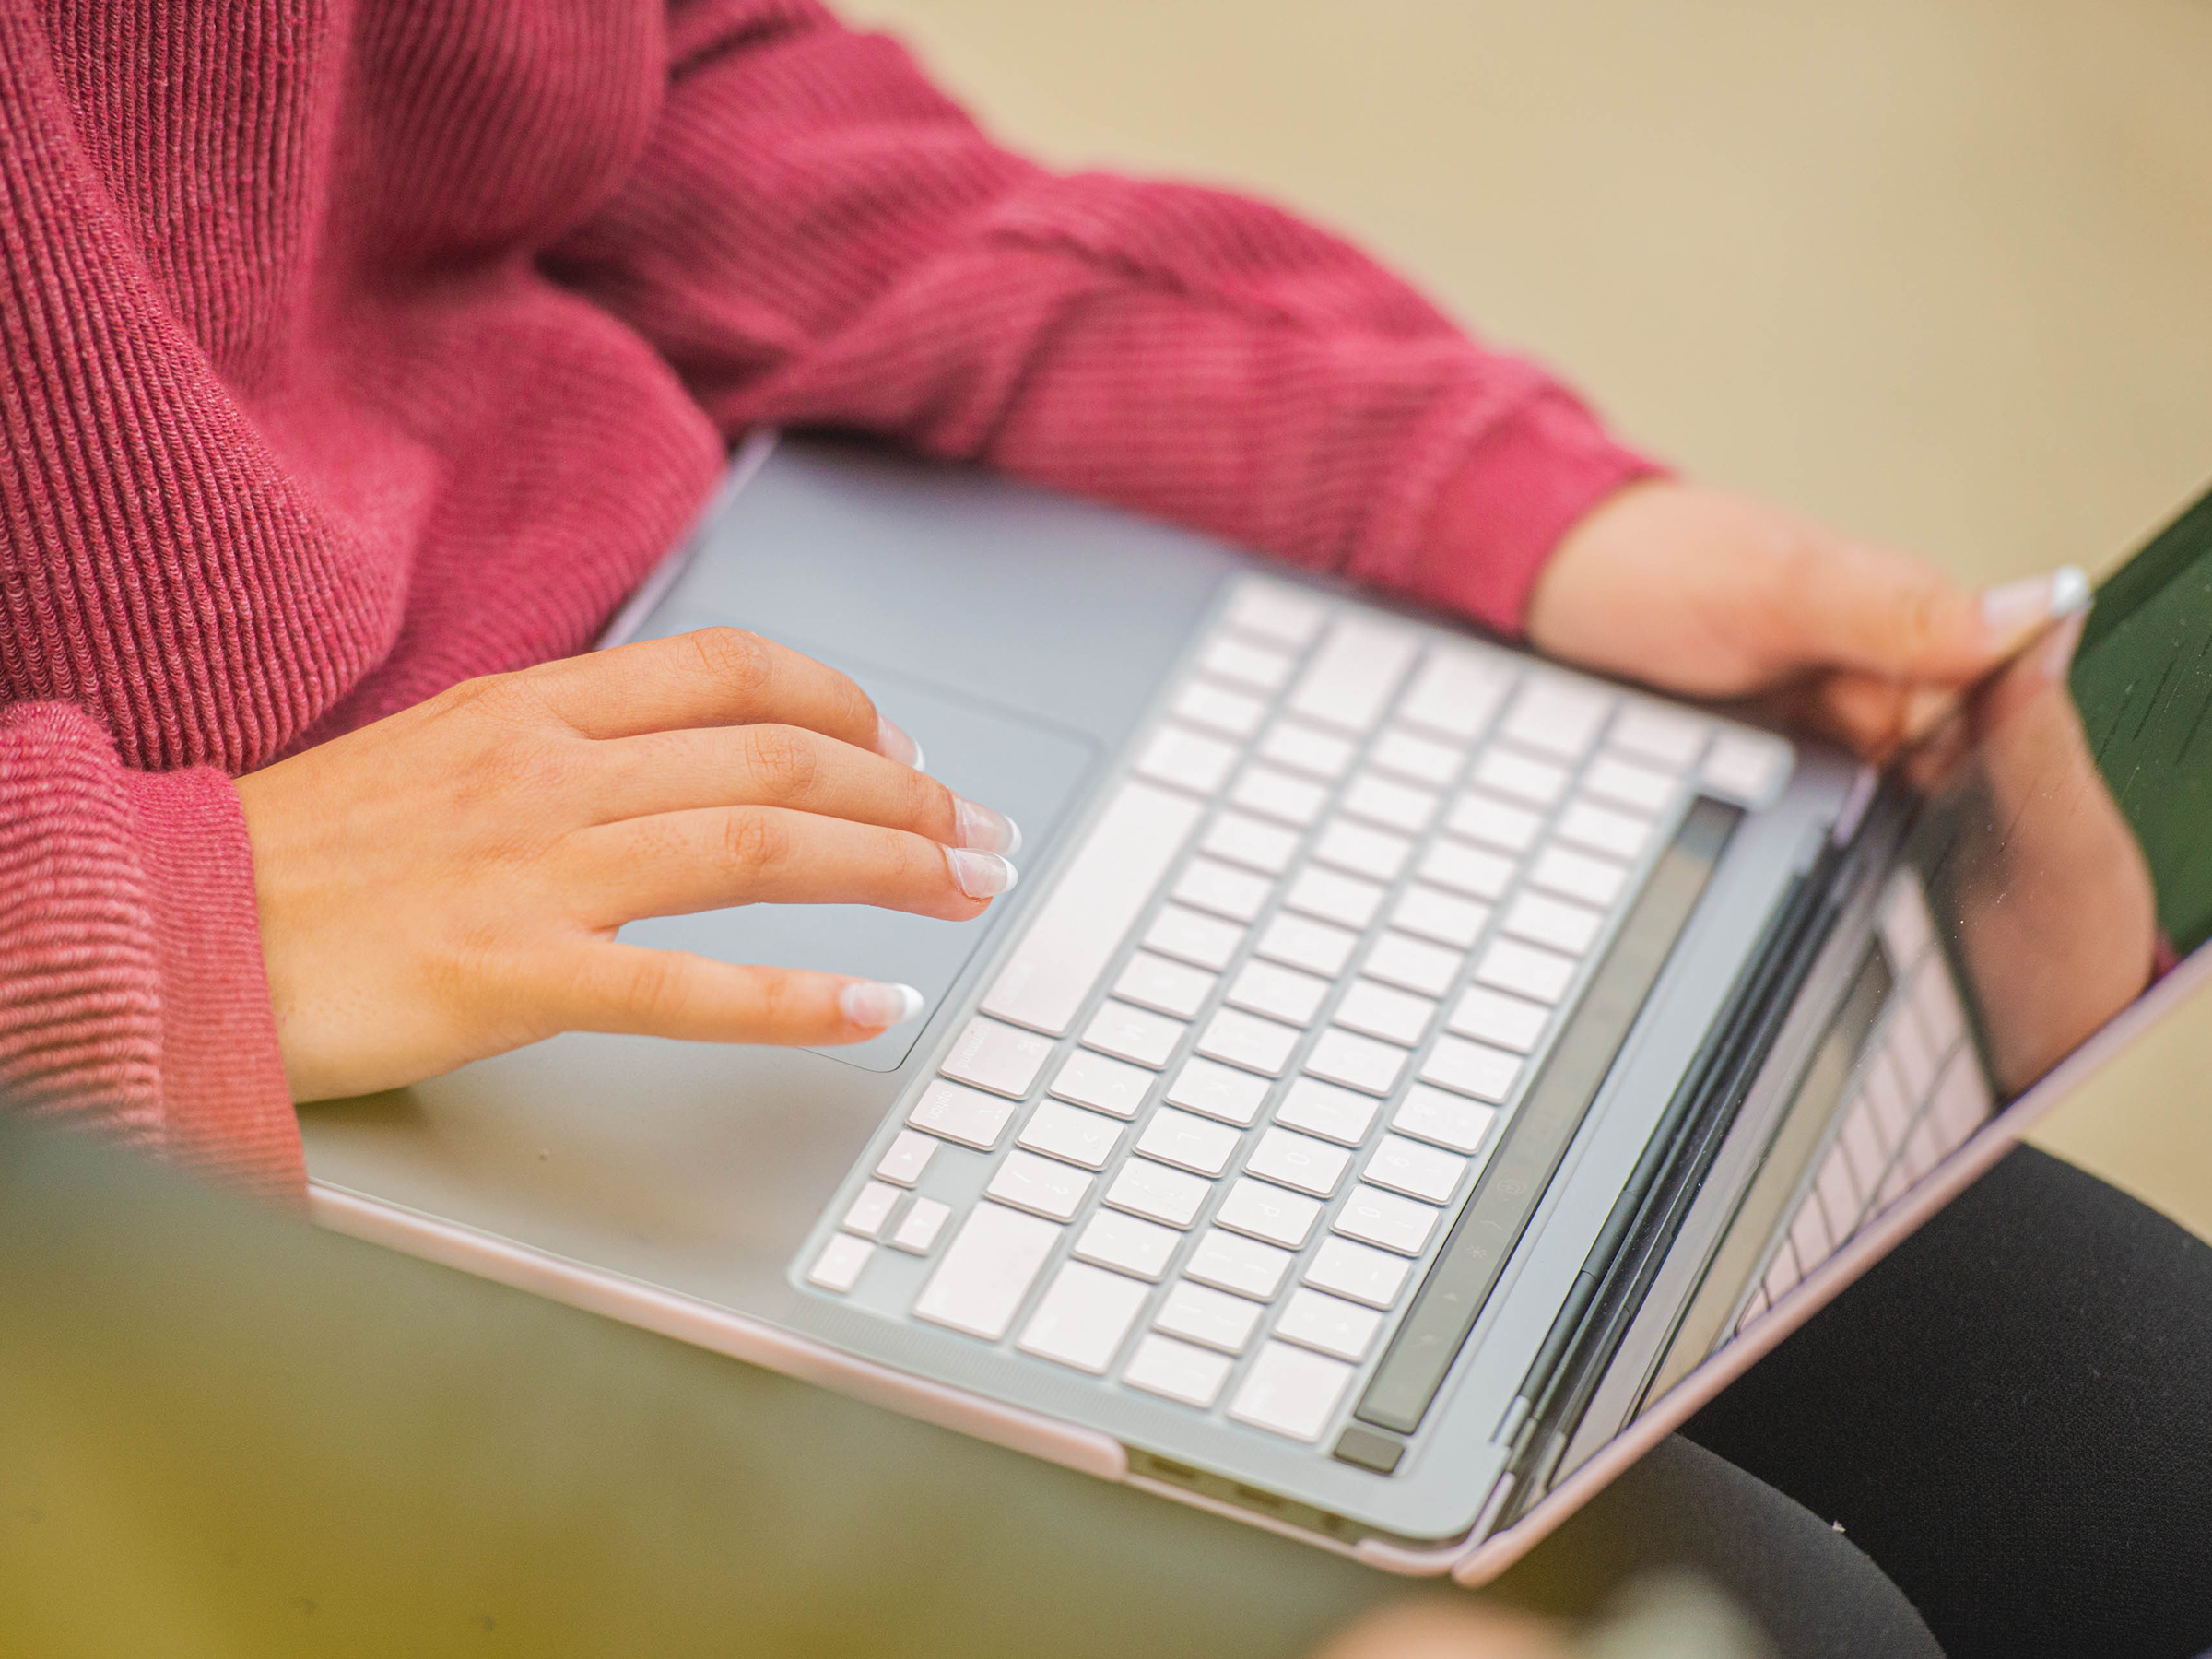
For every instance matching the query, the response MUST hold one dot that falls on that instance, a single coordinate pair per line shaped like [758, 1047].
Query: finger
[788, 766]
[676, 863]
[713, 677]
[633, 990]
[1884, 613]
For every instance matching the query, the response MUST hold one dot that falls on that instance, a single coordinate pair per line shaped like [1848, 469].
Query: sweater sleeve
[817, 236]
[134, 1000]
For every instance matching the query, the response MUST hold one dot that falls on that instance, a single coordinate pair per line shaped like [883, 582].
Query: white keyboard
[1250, 1052]
[1918, 1096]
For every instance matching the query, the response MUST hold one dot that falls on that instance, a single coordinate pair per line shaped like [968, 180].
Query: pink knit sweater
[355, 349]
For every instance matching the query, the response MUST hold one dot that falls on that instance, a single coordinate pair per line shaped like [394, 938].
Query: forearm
[816, 236]
[132, 1000]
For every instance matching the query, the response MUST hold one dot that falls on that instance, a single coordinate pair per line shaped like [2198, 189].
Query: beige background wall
[1938, 272]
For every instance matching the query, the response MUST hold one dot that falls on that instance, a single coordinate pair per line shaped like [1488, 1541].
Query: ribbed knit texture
[354, 350]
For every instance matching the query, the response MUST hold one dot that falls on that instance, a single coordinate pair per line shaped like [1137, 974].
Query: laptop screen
[2066, 839]
[2142, 680]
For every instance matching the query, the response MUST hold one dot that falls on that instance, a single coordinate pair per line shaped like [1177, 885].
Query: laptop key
[1353, 673]
[1381, 1011]
[1329, 1323]
[1215, 1090]
[1303, 749]
[1399, 960]
[987, 1270]
[1292, 1392]
[1130, 1033]
[1128, 1244]
[907, 1157]
[1527, 970]
[1409, 1167]
[1278, 991]
[1440, 916]
[1164, 986]
[1345, 899]
[1158, 1193]
[1416, 757]
[1218, 708]
[1070, 1134]
[1080, 926]
[1276, 614]
[1245, 1265]
[1555, 716]
[1448, 1120]
[1299, 1161]
[1356, 1062]
[924, 1220]
[1105, 1084]
[1465, 869]
[1471, 1068]
[1456, 691]
[1227, 892]
[1177, 1371]
[1250, 841]
[1376, 1217]
[1185, 759]
[1358, 1272]
[1205, 1315]
[1259, 1046]
[1342, 1115]
[1482, 818]
[839, 1266]
[967, 1115]
[1243, 663]
[1269, 1213]
[1318, 946]
[1196, 1144]
[1502, 1021]
[1082, 1317]
[1189, 936]
[1555, 922]
[1043, 1185]
[1277, 794]
[996, 1057]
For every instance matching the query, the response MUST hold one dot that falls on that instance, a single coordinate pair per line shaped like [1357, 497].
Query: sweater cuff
[226, 1108]
[1521, 487]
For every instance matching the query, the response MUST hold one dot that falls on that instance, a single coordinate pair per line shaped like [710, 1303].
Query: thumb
[1885, 614]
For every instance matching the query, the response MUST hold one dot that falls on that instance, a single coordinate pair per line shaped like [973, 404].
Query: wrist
[1523, 488]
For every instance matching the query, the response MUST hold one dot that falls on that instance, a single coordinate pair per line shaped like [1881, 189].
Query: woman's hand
[446, 884]
[1712, 595]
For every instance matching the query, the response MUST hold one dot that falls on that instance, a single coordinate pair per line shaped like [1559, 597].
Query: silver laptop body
[1403, 1066]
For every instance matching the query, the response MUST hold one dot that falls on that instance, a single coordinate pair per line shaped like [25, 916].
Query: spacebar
[1102, 890]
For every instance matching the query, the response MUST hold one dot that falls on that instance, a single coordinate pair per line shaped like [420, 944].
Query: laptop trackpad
[1027, 769]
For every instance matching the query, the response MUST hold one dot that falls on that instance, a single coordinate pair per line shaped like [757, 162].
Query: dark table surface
[224, 1432]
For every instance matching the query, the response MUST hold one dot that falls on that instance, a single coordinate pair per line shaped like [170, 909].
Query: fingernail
[984, 829]
[894, 744]
[2014, 608]
[872, 1003]
[980, 875]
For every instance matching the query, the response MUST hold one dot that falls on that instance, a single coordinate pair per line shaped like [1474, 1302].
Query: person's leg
[2012, 1414]
[1813, 1592]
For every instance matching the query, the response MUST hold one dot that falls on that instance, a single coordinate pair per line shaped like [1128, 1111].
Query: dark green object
[2142, 679]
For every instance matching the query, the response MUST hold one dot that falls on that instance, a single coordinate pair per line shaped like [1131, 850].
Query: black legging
[2011, 1416]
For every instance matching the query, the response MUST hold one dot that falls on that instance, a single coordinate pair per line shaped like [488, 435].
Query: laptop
[1409, 1078]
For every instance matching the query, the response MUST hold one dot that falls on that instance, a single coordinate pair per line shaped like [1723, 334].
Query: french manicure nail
[2014, 608]
[894, 744]
[980, 875]
[979, 827]
[873, 1002]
